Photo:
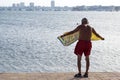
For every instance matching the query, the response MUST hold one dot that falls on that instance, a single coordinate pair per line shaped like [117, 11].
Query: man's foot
[85, 75]
[78, 75]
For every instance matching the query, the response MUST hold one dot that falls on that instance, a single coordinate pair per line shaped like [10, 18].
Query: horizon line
[61, 6]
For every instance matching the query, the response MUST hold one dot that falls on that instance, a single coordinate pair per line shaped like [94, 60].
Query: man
[83, 45]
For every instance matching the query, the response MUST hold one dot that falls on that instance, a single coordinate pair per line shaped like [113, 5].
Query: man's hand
[62, 35]
[103, 38]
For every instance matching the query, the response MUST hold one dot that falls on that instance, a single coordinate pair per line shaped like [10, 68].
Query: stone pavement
[59, 76]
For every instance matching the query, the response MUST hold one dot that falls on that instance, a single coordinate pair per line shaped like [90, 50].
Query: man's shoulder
[80, 26]
[90, 27]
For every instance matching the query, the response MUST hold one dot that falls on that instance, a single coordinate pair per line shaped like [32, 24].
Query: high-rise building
[31, 4]
[13, 5]
[22, 4]
[52, 3]
[18, 5]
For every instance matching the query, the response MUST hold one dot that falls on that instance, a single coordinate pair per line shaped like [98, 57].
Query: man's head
[84, 21]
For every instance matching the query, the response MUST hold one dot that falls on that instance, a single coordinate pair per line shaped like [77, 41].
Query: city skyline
[62, 2]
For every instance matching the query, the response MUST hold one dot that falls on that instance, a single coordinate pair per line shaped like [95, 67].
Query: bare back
[85, 32]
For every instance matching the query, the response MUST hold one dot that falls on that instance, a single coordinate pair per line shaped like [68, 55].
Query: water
[28, 41]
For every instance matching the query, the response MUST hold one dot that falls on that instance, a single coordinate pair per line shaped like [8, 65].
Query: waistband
[84, 40]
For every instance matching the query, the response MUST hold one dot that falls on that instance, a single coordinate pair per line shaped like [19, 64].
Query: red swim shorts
[83, 46]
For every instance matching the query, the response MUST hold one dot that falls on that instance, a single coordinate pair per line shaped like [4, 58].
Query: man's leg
[79, 63]
[87, 64]
[79, 67]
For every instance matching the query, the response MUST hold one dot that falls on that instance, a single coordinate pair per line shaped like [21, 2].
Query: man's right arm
[75, 30]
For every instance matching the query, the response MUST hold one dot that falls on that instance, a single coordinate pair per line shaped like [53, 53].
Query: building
[52, 4]
[31, 4]
[22, 4]
[17, 5]
[13, 5]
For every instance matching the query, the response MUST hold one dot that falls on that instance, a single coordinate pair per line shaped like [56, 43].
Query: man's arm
[75, 30]
[93, 30]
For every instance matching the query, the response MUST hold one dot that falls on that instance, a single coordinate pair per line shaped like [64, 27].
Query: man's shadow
[79, 78]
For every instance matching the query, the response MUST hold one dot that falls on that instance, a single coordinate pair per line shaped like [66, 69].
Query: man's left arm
[93, 30]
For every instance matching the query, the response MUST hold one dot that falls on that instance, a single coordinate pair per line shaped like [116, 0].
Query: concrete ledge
[59, 76]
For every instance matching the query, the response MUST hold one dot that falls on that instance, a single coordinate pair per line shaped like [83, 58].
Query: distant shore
[59, 8]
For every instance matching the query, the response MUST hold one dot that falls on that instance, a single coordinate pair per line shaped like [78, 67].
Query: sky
[69, 3]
